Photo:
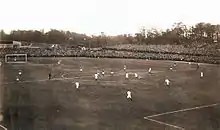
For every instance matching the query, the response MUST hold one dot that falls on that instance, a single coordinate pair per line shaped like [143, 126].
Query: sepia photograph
[109, 65]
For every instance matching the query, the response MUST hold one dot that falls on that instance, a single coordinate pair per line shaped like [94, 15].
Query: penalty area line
[183, 110]
[163, 123]
[3, 127]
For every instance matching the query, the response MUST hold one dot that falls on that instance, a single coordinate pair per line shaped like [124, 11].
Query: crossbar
[12, 55]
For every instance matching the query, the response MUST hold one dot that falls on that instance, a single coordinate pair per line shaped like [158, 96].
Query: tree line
[178, 34]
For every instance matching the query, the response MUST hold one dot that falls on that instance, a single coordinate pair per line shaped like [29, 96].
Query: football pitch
[36, 103]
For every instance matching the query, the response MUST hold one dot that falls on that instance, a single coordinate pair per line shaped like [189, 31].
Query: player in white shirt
[103, 72]
[171, 68]
[77, 85]
[20, 72]
[135, 75]
[201, 75]
[17, 79]
[111, 72]
[126, 75]
[129, 95]
[96, 76]
[124, 67]
[167, 82]
[149, 70]
[59, 62]
[0, 63]
[80, 69]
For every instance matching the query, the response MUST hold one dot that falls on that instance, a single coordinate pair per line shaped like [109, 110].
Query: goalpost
[16, 58]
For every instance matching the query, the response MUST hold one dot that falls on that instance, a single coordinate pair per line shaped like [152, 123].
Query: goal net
[15, 58]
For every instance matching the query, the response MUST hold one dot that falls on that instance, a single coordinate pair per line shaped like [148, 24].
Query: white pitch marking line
[3, 127]
[183, 110]
[163, 123]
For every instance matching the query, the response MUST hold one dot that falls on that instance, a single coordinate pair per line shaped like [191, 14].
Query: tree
[141, 36]
[179, 34]
[199, 31]
[180, 31]
[2, 35]
[153, 36]
[55, 37]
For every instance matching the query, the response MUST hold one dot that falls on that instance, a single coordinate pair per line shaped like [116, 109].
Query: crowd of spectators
[157, 52]
[169, 49]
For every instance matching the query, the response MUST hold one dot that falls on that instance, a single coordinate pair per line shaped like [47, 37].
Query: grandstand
[9, 44]
[14, 44]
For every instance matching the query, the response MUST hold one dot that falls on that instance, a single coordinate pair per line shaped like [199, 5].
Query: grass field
[35, 103]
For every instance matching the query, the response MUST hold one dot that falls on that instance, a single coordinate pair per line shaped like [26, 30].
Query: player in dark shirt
[49, 76]
[197, 66]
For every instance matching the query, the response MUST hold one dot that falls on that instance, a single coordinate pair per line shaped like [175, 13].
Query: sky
[112, 17]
